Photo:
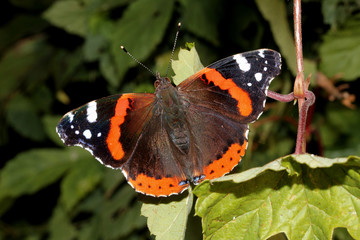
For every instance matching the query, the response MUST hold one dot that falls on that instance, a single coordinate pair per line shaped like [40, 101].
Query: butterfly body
[180, 134]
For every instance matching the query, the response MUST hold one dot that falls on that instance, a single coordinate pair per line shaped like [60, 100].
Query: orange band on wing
[113, 139]
[227, 162]
[157, 187]
[243, 98]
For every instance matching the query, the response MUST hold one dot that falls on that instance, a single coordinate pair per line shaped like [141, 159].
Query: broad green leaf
[42, 98]
[20, 26]
[113, 214]
[318, 196]
[20, 65]
[340, 51]
[336, 12]
[65, 66]
[162, 63]
[129, 220]
[70, 15]
[328, 9]
[108, 68]
[5, 204]
[112, 179]
[188, 64]
[274, 11]
[167, 218]
[154, 16]
[93, 47]
[30, 171]
[50, 122]
[118, 217]
[22, 116]
[341, 134]
[81, 179]
[202, 18]
[60, 226]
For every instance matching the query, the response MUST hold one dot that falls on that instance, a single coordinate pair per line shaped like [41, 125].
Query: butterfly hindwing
[219, 142]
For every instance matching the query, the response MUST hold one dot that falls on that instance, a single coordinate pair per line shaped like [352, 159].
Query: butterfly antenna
[140, 63]
[173, 50]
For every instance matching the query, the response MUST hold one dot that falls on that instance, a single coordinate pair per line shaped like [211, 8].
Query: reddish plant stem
[310, 99]
[280, 97]
[300, 89]
[305, 98]
[300, 140]
[298, 39]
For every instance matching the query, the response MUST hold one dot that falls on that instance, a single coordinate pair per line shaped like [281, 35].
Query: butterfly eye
[156, 83]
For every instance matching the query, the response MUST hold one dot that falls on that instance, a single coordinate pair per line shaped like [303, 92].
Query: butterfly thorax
[172, 108]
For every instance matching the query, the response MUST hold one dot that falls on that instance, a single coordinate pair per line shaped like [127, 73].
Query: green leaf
[20, 26]
[167, 218]
[328, 9]
[22, 116]
[60, 226]
[262, 202]
[341, 134]
[50, 122]
[66, 64]
[30, 171]
[108, 68]
[70, 15]
[188, 64]
[129, 221]
[5, 204]
[94, 45]
[275, 12]
[82, 178]
[340, 51]
[202, 18]
[140, 41]
[20, 65]
[336, 12]
[118, 212]
[112, 179]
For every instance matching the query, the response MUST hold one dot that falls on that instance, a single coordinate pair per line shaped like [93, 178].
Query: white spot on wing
[91, 112]
[244, 65]
[72, 126]
[87, 134]
[258, 76]
[265, 69]
[71, 116]
[99, 134]
[77, 132]
[261, 53]
[249, 84]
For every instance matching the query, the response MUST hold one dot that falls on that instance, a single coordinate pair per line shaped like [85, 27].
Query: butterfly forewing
[235, 86]
[96, 125]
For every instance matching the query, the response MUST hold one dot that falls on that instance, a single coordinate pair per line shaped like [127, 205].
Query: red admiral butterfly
[180, 134]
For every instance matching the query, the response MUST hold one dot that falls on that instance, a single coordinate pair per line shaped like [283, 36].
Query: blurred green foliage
[58, 55]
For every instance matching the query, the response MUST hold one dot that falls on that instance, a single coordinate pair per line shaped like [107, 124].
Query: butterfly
[178, 135]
